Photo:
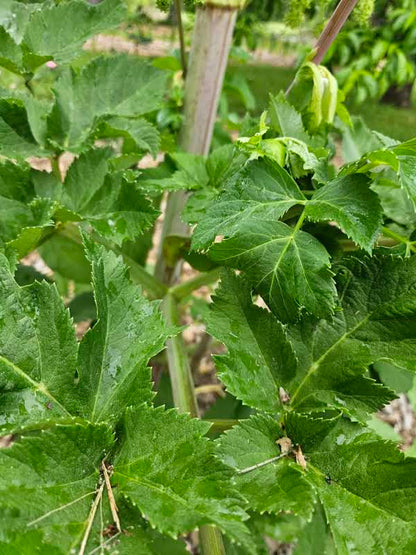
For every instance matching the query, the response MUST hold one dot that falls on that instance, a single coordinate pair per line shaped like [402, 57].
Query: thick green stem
[210, 540]
[182, 290]
[55, 167]
[178, 362]
[210, 47]
[399, 238]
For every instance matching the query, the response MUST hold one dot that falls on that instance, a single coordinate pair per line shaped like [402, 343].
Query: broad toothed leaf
[37, 352]
[48, 484]
[320, 363]
[401, 158]
[316, 536]
[113, 355]
[59, 31]
[16, 137]
[260, 358]
[44, 380]
[366, 486]
[275, 487]
[19, 207]
[48, 481]
[144, 135]
[39, 32]
[377, 321]
[116, 86]
[262, 190]
[107, 200]
[11, 56]
[288, 267]
[361, 486]
[168, 469]
[286, 119]
[353, 205]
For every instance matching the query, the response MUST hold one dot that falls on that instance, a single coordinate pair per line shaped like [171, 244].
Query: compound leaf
[319, 362]
[262, 190]
[377, 322]
[288, 267]
[107, 200]
[366, 486]
[58, 31]
[144, 135]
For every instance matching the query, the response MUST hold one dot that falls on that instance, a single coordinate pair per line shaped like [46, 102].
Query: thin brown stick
[112, 501]
[330, 33]
[332, 28]
[91, 517]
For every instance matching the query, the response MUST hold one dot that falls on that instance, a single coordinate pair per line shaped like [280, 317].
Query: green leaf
[110, 86]
[16, 197]
[14, 17]
[85, 178]
[378, 316]
[191, 173]
[10, 52]
[261, 190]
[113, 355]
[168, 469]
[401, 158]
[275, 487]
[43, 379]
[353, 205]
[58, 31]
[139, 537]
[320, 363]
[260, 358]
[359, 139]
[316, 536]
[109, 201]
[366, 486]
[288, 267]
[406, 156]
[32, 34]
[48, 481]
[144, 135]
[64, 254]
[16, 138]
[37, 352]
[286, 120]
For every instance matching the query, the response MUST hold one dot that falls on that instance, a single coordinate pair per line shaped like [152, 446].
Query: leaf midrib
[38, 386]
[316, 365]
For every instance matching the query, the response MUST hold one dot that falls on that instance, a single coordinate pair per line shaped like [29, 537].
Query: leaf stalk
[178, 362]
